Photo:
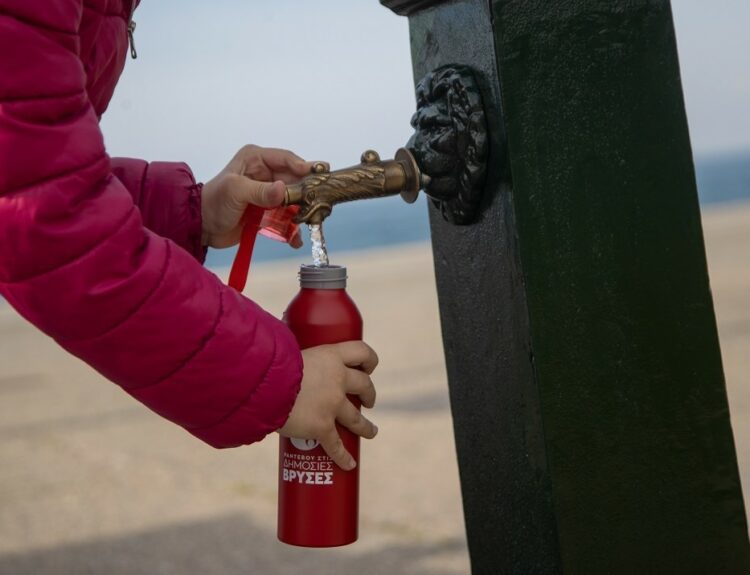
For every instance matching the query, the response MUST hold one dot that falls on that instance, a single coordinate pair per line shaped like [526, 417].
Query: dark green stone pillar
[586, 383]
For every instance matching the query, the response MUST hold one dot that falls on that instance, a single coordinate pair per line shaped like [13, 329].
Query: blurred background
[93, 483]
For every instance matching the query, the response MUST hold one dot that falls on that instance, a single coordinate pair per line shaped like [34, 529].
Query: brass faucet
[317, 193]
[446, 157]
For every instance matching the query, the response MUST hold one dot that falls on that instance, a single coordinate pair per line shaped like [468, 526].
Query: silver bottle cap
[322, 277]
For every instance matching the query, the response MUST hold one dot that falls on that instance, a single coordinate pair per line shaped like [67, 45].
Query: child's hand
[330, 373]
[254, 176]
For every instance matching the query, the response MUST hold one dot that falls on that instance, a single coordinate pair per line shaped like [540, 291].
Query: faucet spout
[317, 193]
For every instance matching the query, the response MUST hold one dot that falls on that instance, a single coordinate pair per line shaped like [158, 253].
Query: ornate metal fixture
[446, 157]
[373, 178]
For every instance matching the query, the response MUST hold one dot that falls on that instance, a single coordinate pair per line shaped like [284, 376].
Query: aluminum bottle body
[318, 501]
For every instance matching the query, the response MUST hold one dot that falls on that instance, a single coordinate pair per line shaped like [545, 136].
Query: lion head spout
[450, 142]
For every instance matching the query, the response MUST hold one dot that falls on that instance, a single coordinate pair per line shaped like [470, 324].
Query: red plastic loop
[277, 223]
[241, 265]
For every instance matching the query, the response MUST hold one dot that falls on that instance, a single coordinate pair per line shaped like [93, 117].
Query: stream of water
[318, 244]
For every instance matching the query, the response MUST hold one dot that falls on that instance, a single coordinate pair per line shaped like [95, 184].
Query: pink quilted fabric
[104, 254]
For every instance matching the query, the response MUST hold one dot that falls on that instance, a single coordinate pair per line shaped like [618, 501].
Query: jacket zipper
[131, 32]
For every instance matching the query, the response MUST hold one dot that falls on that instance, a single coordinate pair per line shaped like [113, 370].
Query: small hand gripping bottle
[319, 501]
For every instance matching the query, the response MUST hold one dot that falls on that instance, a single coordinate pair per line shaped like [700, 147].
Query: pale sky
[714, 48]
[327, 79]
[331, 78]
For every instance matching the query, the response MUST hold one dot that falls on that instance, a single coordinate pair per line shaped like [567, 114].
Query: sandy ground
[91, 482]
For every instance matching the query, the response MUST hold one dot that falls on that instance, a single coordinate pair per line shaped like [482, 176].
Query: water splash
[318, 242]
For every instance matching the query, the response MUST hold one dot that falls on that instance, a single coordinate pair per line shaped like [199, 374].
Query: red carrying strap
[241, 265]
[276, 223]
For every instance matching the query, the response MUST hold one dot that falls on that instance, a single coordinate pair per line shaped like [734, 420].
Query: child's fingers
[280, 160]
[334, 447]
[358, 354]
[263, 194]
[351, 418]
[359, 383]
[296, 170]
[286, 177]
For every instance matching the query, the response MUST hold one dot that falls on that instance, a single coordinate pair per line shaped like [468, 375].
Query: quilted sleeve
[77, 261]
[168, 198]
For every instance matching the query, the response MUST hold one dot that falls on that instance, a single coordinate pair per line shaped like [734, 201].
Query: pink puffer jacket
[104, 254]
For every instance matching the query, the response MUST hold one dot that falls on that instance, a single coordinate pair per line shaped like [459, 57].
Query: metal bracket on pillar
[450, 142]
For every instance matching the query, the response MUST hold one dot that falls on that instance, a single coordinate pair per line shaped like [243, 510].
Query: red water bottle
[319, 501]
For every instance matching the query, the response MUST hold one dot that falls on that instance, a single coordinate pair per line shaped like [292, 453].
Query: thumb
[263, 194]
